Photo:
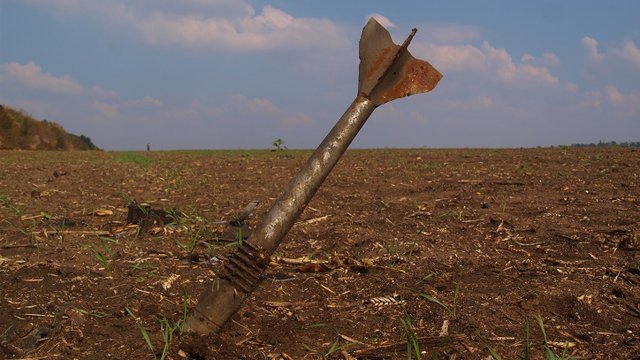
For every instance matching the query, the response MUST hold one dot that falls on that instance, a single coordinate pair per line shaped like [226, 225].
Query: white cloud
[149, 101]
[613, 95]
[223, 8]
[621, 104]
[451, 57]
[418, 117]
[224, 25]
[450, 33]
[516, 74]
[547, 59]
[296, 119]
[628, 53]
[571, 87]
[486, 101]
[243, 104]
[271, 29]
[471, 104]
[102, 93]
[484, 60]
[592, 99]
[631, 53]
[31, 75]
[131, 10]
[591, 45]
[106, 110]
[625, 105]
[246, 107]
[383, 20]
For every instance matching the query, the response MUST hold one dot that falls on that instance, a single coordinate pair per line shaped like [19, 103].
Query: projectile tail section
[389, 71]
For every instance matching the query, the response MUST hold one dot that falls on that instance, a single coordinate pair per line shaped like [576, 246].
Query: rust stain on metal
[387, 72]
[380, 61]
[419, 76]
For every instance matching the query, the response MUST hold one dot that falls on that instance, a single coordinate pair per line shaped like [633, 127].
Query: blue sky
[233, 74]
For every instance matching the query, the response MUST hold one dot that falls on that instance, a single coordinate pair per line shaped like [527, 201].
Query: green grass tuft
[413, 347]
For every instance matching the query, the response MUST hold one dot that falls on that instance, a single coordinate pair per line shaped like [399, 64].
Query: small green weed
[493, 353]
[310, 349]
[150, 270]
[23, 231]
[548, 353]
[458, 214]
[432, 299]
[181, 219]
[200, 231]
[104, 262]
[527, 341]
[526, 352]
[167, 327]
[239, 239]
[7, 203]
[335, 348]
[316, 325]
[104, 255]
[61, 239]
[394, 249]
[143, 330]
[44, 216]
[411, 251]
[456, 293]
[413, 347]
[427, 296]
[126, 198]
[94, 314]
[240, 236]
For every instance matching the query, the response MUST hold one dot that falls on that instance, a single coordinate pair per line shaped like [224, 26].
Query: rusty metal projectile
[387, 72]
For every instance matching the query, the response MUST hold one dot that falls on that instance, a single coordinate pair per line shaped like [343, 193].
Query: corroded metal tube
[241, 274]
[304, 185]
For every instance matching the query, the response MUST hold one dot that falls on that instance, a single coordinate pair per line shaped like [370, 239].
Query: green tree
[279, 145]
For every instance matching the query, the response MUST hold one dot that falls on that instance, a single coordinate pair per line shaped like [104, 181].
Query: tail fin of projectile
[388, 71]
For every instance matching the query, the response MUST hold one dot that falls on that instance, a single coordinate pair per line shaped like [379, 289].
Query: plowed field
[457, 252]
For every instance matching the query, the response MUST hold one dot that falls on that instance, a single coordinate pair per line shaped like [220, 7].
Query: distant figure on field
[148, 147]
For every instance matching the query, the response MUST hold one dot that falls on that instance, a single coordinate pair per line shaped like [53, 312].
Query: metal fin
[388, 71]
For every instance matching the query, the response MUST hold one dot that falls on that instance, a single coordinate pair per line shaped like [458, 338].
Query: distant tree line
[609, 143]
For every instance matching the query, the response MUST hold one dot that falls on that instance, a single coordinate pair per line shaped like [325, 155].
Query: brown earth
[483, 241]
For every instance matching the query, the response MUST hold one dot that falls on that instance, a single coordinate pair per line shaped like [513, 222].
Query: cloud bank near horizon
[487, 89]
